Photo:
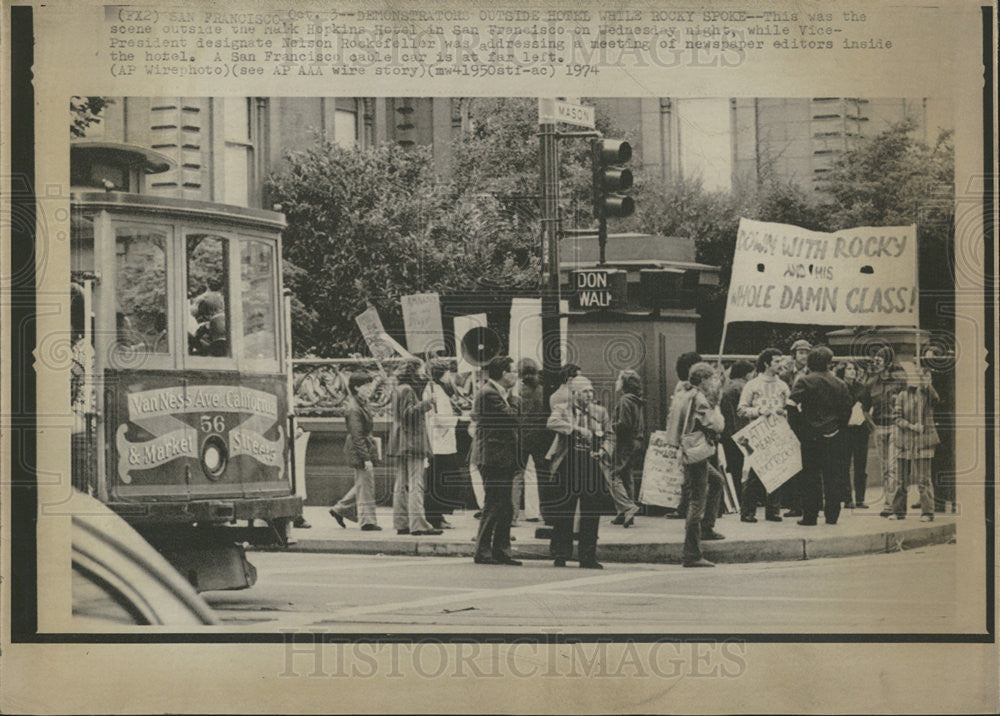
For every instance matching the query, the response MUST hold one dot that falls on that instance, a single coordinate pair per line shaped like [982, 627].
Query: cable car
[181, 365]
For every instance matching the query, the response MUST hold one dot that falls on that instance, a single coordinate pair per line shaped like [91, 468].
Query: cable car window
[259, 303]
[141, 291]
[208, 295]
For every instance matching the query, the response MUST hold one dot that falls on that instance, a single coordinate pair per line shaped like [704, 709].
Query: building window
[345, 128]
[239, 139]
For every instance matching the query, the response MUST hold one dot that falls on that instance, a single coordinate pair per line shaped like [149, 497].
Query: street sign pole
[549, 180]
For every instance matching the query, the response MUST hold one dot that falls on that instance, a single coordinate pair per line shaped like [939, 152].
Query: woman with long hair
[859, 429]
[443, 477]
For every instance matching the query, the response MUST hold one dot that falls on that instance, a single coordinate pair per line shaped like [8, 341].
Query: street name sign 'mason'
[553, 111]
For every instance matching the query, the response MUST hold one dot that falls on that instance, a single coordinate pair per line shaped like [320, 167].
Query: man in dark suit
[825, 407]
[496, 440]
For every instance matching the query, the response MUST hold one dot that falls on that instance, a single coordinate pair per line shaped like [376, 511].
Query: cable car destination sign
[598, 289]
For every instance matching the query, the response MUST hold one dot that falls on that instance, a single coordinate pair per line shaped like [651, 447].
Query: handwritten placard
[771, 450]
[422, 320]
[662, 472]
[374, 334]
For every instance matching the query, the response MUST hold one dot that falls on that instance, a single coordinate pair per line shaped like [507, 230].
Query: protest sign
[422, 320]
[525, 337]
[771, 450]
[374, 334]
[861, 276]
[662, 472]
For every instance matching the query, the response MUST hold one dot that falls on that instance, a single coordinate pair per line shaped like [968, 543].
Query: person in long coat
[496, 458]
[410, 448]
[533, 440]
[581, 458]
[358, 505]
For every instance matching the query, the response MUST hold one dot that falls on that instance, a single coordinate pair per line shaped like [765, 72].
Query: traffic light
[610, 179]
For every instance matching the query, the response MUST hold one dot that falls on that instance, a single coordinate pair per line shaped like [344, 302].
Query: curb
[736, 551]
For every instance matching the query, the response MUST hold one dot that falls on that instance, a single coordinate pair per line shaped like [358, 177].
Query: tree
[893, 179]
[683, 208]
[369, 226]
[85, 111]
[499, 156]
[889, 179]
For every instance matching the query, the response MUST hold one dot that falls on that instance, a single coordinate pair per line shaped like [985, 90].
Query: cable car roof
[189, 208]
[122, 154]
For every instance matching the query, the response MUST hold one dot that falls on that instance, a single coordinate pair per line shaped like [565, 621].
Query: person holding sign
[410, 446]
[361, 451]
[692, 413]
[766, 394]
[825, 407]
[739, 376]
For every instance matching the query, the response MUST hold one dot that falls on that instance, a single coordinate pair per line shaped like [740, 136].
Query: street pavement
[651, 539]
[889, 593]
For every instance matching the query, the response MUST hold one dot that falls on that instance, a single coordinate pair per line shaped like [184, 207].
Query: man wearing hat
[581, 458]
[800, 355]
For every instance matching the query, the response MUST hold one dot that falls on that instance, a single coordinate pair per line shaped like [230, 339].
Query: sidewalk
[651, 539]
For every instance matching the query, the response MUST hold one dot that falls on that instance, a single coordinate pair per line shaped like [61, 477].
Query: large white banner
[786, 274]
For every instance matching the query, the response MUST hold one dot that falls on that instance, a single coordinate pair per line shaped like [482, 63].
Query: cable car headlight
[214, 456]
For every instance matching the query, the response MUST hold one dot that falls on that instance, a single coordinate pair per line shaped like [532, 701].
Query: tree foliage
[500, 156]
[894, 179]
[890, 179]
[85, 111]
[372, 225]
[369, 226]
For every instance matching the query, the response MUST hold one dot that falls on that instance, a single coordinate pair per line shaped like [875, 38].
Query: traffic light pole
[602, 218]
[548, 140]
[609, 178]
